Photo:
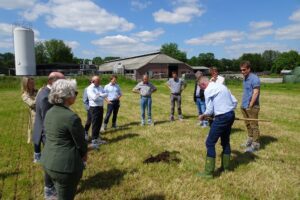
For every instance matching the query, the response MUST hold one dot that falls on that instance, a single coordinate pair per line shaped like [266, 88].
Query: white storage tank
[24, 51]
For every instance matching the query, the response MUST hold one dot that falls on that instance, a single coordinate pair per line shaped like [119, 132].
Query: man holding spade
[220, 103]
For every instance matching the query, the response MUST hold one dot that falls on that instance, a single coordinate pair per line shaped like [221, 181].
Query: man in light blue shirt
[220, 103]
[96, 96]
[250, 106]
[114, 94]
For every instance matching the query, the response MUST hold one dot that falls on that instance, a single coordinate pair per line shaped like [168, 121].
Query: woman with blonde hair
[28, 96]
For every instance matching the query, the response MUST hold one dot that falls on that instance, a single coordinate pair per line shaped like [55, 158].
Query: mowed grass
[117, 170]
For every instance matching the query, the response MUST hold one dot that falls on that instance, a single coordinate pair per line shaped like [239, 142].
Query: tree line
[56, 51]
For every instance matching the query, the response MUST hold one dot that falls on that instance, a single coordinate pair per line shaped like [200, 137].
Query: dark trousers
[97, 118]
[88, 121]
[112, 108]
[37, 147]
[176, 98]
[220, 127]
[65, 183]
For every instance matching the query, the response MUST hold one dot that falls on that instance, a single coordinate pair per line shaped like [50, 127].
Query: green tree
[257, 62]
[286, 60]
[269, 57]
[193, 61]
[171, 49]
[58, 51]
[7, 60]
[97, 60]
[41, 55]
[77, 60]
[207, 59]
[109, 58]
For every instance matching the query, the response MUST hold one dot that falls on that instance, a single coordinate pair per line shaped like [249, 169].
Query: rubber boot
[209, 168]
[225, 160]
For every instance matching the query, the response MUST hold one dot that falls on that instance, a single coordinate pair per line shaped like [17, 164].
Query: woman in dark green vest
[66, 149]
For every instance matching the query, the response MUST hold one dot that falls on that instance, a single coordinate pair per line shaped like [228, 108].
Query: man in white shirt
[215, 77]
[96, 96]
[220, 103]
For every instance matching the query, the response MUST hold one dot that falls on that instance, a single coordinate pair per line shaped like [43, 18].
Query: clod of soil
[165, 156]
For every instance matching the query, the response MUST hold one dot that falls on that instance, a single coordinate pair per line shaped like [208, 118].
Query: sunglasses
[243, 70]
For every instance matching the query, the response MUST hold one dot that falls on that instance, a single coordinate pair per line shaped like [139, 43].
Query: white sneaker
[100, 141]
[86, 136]
[95, 145]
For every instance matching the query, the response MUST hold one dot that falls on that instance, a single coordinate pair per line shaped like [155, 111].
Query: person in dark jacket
[66, 148]
[199, 99]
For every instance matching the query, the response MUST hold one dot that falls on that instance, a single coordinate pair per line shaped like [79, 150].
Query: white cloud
[147, 36]
[6, 43]
[184, 11]
[140, 4]
[237, 50]
[295, 16]
[16, 4]
[258, 34]
[216, 38]
[88, 53]
[85, 16]
[259, 25]
[5, 29]
[121, 45]
[72, 44]
[289, 32]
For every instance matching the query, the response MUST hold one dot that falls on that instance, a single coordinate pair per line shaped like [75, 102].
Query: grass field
[117, 170]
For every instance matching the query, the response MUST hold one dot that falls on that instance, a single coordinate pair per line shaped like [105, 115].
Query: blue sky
[132, 27]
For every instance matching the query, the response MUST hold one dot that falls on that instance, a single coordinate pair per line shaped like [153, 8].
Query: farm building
[156, 65]
[203, 69]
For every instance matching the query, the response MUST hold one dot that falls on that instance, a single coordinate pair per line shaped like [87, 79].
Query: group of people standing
[65, 152]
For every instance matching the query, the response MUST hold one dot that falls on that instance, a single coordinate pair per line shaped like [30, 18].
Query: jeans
[97, 118]
[88, 121]
[146, 103]
[112, 108]
[174, 98]
[201, 106]
[220, 127]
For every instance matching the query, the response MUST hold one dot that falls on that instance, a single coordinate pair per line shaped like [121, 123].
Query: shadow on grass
[102, 180]
[265, 140]
[151, 197]
[190, 116]
[161, 122]
[122, 137]
[238, 159]
[113, 130]
[8, 174]
[235, 130]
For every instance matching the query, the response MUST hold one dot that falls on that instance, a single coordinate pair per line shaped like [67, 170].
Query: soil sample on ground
[165, 156]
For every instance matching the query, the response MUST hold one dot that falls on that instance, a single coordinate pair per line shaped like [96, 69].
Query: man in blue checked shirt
[220, 103]
[113, 98]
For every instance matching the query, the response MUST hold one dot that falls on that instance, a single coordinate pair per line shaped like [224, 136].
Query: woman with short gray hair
[66, 149]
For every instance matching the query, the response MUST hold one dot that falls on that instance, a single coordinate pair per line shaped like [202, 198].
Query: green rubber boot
[225, 162]
[209, 168]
